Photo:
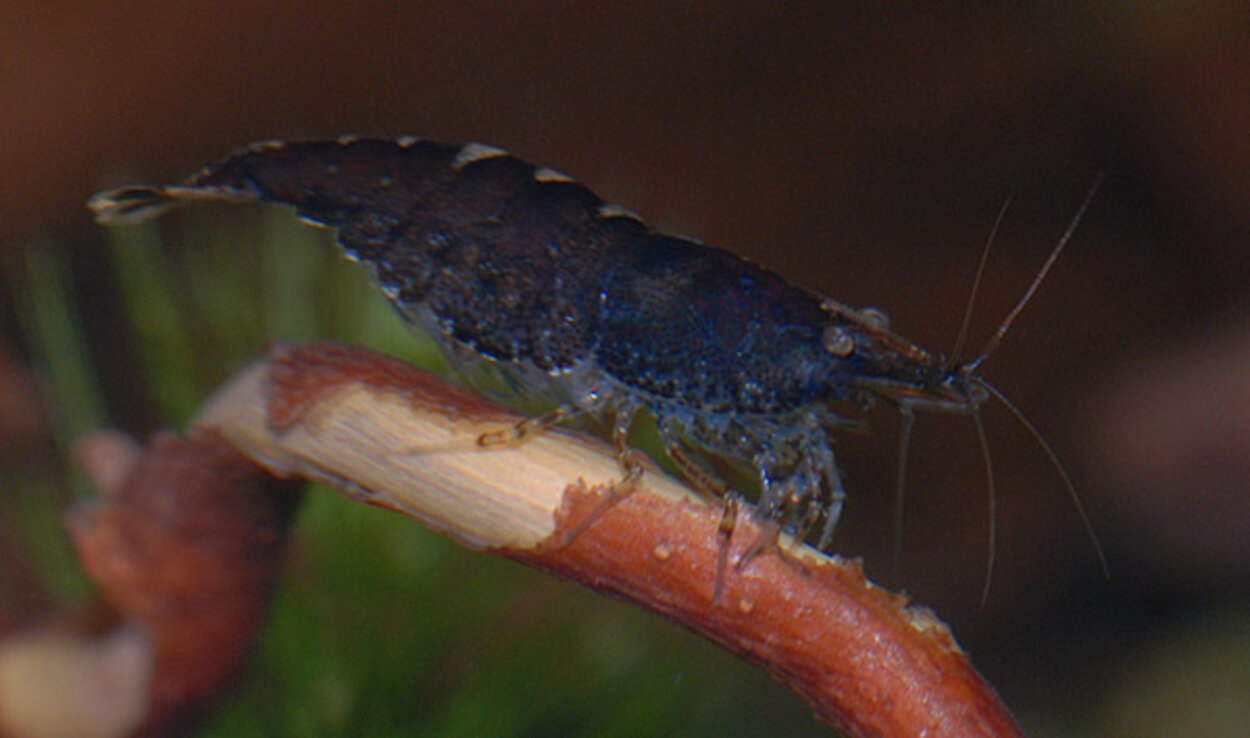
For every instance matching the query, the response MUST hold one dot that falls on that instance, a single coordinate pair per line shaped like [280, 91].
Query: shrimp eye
[876, 318]
[837, 341]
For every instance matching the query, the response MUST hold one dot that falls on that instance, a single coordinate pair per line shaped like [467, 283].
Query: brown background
[862, 150]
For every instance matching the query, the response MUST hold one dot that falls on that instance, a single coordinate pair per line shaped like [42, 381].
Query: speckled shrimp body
[581, 302]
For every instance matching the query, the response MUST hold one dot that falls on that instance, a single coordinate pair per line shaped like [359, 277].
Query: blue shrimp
[581, 303]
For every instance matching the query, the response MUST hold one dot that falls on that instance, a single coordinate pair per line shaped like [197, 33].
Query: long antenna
[1063, 473]
[976, 283]
[997, 338]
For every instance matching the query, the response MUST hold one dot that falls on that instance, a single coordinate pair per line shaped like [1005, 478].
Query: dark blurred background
[861, 149]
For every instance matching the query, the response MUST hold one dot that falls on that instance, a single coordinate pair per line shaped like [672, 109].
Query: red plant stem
[186, 548]
[399, 437]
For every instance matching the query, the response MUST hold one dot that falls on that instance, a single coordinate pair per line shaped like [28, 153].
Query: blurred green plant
[380, 627]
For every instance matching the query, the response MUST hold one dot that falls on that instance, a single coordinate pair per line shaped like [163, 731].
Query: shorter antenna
[904, 443]
[976, 283]
[991, 504]
[997, 338]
